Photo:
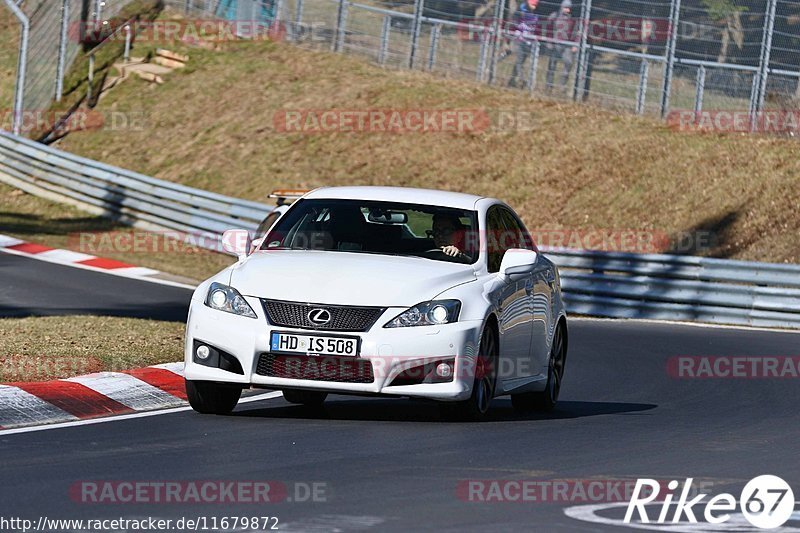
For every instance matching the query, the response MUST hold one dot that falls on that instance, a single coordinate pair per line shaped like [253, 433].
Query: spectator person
[558, 24]
[526, 24]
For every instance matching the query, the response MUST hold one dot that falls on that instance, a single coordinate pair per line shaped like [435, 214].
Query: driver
[445, 230]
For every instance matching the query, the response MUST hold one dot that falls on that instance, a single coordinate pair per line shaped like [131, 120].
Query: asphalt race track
[30, 287]
[394, 465]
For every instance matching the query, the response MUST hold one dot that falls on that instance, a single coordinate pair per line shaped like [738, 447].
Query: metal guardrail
[608, 284]
[120, 194]
[686, 288]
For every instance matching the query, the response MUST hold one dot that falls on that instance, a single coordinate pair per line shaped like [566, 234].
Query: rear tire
[305, 397]
[546, 400]
[476, 406]
[211, 398]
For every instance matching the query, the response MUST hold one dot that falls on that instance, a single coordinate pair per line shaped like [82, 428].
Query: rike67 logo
[766, 502]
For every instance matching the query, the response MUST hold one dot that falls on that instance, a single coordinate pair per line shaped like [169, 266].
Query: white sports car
[383, 291]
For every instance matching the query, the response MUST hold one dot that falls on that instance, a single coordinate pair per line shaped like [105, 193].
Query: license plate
[313, 344]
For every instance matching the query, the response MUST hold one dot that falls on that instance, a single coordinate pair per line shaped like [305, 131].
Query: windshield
[376, 227]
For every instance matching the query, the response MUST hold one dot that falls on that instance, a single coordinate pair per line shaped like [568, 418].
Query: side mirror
[256, 244]
[517, 261]
[237, 242]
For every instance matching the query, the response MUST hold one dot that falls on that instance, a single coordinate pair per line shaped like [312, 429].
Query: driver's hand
[451, 250]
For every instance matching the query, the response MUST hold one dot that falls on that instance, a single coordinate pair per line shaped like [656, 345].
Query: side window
[494, 233]
[266, 224]
[519, 238]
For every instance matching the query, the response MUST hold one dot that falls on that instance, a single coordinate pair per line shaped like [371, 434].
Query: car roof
[408, 195]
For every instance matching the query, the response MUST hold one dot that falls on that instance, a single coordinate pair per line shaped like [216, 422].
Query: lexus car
[382, 291]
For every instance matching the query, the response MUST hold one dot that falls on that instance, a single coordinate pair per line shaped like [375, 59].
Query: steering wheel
[434, 250]
[452, 259]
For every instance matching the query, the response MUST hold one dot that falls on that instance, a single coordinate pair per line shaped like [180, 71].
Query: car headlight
[433, 313]
[224, 298]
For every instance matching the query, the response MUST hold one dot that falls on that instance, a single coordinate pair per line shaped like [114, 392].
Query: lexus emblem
[319, 317]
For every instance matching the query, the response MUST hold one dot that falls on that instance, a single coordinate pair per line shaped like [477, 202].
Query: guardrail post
[62, 50]
[674, 18]
[435, 34]
[641, 93]
[497, 34]
[22, 66]
[341, 26]
[386, 29]
[416, 28]
[534, 68]
[700, 90]
[583, 51]
[758, 98]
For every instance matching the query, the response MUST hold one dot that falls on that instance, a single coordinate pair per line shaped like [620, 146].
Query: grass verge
[43, 348]
[9, 52]
[58, 225]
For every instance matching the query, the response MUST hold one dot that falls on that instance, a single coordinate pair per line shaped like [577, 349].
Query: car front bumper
[390, 352]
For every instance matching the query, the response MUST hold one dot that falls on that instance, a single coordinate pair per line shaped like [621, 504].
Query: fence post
[479, 75]
[435, 33]
[90, 80]
[98, 8]
[62, 50]
[674, 17]
[497, 36]
[753, 97]
[700, 90]
[22, 65]
[386, 29]
[583, 51]
[298, 18]
[759, 95]
[341, 26]
[535, 49]
[126, 55]
[416, 28]
[641, 94]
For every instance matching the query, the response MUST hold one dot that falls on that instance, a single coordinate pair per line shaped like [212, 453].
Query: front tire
[546, 400]
[211, 398]
[305, 397]
[476, 406]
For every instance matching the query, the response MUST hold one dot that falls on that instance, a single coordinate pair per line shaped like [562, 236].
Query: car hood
[346, 278]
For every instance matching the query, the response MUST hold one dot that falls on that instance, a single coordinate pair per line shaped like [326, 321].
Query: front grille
[342, 318]
[327, 368]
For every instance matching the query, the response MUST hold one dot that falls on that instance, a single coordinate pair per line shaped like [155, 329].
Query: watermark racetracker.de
[181, 492]
[80, 119]
[733, 367]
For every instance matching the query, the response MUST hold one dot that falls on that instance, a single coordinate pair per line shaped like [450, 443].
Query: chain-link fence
[51, 39]
[702, 60]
